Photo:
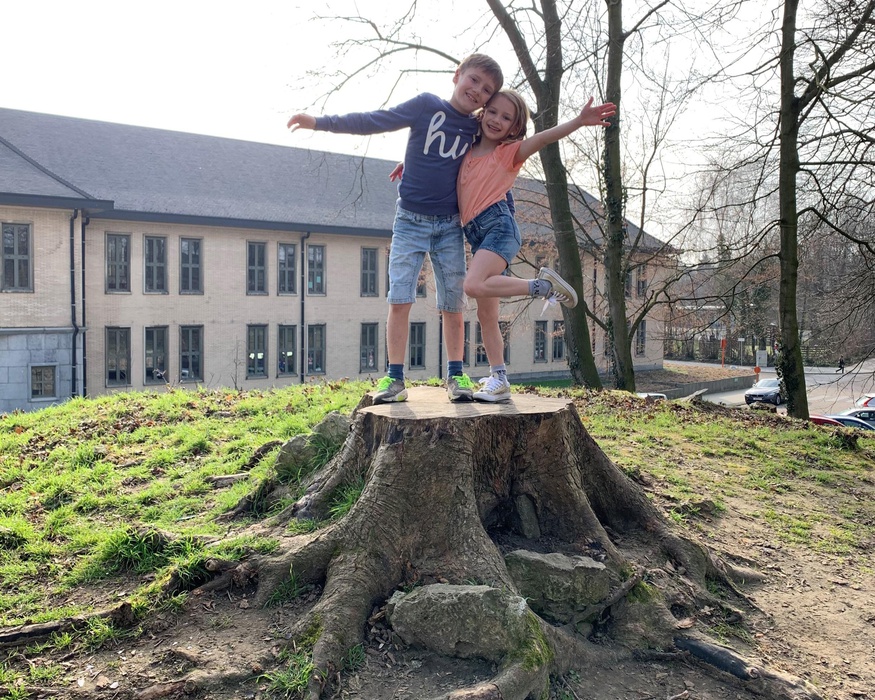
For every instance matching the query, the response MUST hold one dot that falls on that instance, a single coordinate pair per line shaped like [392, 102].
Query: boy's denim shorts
[495, 230]
[414, 235]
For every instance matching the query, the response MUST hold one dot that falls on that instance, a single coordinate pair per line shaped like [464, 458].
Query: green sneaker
[460, 388]
[390, 390]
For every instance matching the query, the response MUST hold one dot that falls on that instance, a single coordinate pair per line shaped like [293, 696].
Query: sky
[240, 70]
[237, 70]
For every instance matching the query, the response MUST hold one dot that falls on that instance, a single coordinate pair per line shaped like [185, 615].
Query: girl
[487, 174]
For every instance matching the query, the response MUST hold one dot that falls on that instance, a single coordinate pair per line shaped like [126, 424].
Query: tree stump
[443, 484]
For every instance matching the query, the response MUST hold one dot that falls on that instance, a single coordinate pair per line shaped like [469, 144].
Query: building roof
[143, 174]
[156, 174]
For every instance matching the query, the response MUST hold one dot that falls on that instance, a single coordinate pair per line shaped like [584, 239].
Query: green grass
[114, 492]
[87, 486]
[292, 681]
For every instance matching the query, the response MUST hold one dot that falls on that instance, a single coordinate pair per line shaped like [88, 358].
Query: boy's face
[473, 88]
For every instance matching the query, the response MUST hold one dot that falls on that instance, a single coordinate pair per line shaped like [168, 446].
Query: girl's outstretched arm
[590, 115]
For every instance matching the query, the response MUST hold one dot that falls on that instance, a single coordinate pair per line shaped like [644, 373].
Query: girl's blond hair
[521, 123]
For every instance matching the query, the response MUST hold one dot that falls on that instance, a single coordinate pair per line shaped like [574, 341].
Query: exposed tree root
[121, 616]
[769, 683]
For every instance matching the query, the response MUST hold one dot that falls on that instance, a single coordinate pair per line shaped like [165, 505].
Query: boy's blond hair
[517, 131]
[485, 63]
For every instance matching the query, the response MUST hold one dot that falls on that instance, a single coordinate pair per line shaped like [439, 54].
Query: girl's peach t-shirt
[485, 180]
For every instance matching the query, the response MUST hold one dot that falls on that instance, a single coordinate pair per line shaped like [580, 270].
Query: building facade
[138, 258]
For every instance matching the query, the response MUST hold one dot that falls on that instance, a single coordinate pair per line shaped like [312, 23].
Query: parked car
[865, 401]
[851, 422]
[824, 420]
[765, 390]
[866, 414]
[652, 395]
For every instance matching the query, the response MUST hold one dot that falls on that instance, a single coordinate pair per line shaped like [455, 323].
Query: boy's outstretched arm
[590, 115]
[301, 121]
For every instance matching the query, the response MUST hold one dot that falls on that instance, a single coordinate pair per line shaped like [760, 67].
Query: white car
[866, 414]
[852, 422]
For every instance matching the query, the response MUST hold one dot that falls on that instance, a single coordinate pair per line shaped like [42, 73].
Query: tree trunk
[615, 238]
[790, 366]
[581, 362]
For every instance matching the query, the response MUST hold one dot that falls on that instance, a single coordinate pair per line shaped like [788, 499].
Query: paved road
[828, 390]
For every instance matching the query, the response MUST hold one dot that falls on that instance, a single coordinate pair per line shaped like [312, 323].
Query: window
[417, 345]
[480, 357]
[118, 356]
[118, 262]
[316, 269]
[559, 340]
[191, 344]
[627, 290]
[256, 268]
[540, 341]
[190, 273]
[155, 355]
[155, 255]
[369, 272]
[316, 349]
[286, 268]
[368, 352]
[256, 351]
[287, 339]
[42, 382]
[466, 357]
[504, 327]
[641, 280]
[641, 339]
[16, 273]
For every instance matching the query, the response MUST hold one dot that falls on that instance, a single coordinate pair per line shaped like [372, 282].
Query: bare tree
[806, 137]
[545, 84]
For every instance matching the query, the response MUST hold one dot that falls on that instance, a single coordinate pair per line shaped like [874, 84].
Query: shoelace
[384, 383]
[551, 300]
[491, 384]
[463, 381]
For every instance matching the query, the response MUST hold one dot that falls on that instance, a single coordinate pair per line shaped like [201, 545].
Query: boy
[427, 214]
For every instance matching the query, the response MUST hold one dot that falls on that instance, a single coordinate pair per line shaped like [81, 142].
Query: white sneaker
[493, 389]
[562, 291]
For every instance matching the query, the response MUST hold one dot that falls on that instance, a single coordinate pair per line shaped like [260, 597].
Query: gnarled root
[769, 683]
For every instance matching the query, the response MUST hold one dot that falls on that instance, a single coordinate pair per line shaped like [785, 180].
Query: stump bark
[446, 487]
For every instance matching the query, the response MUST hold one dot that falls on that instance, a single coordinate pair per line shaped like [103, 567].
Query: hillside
[793, 503]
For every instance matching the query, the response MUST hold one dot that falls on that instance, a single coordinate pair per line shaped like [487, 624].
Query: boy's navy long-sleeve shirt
[439, 137]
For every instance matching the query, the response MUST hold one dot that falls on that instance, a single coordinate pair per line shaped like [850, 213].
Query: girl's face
[498, 117]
